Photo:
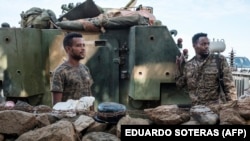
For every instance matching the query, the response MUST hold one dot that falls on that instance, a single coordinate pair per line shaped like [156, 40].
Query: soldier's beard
[204, 55]
[78, 57]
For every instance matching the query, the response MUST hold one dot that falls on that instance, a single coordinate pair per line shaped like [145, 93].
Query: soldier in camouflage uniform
[72, 79]
[200, 74]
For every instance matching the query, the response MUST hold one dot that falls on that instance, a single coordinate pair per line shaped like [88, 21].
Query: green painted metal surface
[23, 73]
[151, 61]
[131, 65]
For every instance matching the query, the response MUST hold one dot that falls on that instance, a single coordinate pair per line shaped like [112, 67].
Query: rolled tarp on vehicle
[110, 20]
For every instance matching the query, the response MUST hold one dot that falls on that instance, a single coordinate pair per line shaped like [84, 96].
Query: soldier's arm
[228, 82]
[57, 87]
[56, 97]
[180, 73]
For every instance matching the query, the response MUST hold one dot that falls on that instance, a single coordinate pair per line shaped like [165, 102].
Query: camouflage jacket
[200, 78]
[73, 82]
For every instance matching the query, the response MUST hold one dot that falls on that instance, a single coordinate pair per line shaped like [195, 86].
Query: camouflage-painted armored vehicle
[133, 64]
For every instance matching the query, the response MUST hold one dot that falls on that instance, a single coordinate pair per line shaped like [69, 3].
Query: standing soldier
[71, 79]
[200, 75]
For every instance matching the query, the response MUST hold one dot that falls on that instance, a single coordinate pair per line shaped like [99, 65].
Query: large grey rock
[83, 122]
[100, 136]
[229, 114]
[168, 115]
[43, 120]
[192, 121]
[127, 120]
[97, 127]
[204, 115]
[16, 122]
[243, 106]
[59, 131]
[231, 117]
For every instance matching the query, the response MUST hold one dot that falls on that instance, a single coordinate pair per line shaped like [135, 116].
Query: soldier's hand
[179, 60]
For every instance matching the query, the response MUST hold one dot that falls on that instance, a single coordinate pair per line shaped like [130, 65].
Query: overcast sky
[221, 19]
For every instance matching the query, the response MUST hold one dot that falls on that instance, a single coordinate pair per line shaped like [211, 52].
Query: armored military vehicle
[131, 63]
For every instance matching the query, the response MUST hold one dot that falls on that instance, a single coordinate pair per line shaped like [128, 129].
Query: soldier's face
[202, 46]
[77, 50]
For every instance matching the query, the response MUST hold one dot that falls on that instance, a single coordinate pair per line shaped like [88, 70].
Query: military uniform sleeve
[90, 76]
[229, 86]
[180, 77]
[57, 82]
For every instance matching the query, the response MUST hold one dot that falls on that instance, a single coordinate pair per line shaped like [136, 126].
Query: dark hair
[197, 36]
[67, 41]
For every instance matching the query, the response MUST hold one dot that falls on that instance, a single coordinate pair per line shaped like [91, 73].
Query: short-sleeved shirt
[73, 81]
